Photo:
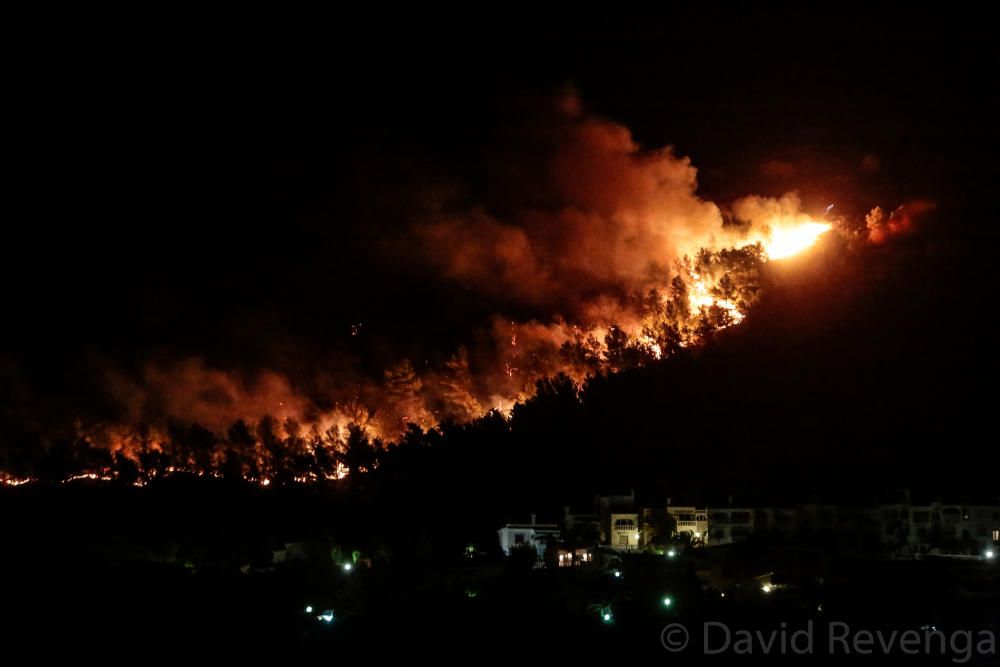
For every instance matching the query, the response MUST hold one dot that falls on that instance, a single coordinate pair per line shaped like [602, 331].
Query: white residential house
[537, 535]
[624, 533]
[619, 521]
[691, 520]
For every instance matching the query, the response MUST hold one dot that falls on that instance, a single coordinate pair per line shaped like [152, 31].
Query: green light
[606, 614]
[309, 609]
[667, 601]
[671, 554]
[348, 567]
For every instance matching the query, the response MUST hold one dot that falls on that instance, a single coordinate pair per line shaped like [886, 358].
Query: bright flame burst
[786, 241]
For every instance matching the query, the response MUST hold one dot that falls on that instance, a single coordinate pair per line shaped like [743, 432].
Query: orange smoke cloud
[613, 217]
[190, 390]
[881, 225]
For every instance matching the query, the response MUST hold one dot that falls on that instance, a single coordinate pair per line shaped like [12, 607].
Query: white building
[624, 533]
[536, 535]
[619, 521]
[691, 520]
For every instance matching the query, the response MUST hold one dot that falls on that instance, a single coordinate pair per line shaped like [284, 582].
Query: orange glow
[788, 240]
[701, 297]
[10, 480]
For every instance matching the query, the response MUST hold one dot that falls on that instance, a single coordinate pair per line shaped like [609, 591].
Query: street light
[607, 616]
[990, 554]
[348, 567]
[672, 553]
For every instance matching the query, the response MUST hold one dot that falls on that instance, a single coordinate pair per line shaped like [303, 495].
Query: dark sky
[234, 188]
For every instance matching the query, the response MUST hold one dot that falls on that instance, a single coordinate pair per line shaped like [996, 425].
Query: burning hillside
[606, 253]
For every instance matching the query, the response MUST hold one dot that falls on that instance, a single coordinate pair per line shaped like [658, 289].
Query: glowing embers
[92, 476]
[10, 480]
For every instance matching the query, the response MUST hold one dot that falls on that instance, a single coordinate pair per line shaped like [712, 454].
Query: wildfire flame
[786, 241]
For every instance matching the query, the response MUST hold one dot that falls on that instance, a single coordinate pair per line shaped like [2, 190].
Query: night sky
[244, 191]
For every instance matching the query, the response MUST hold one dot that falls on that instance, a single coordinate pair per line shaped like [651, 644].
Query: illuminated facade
[624, 534]
[690, 521]
[619, 522]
